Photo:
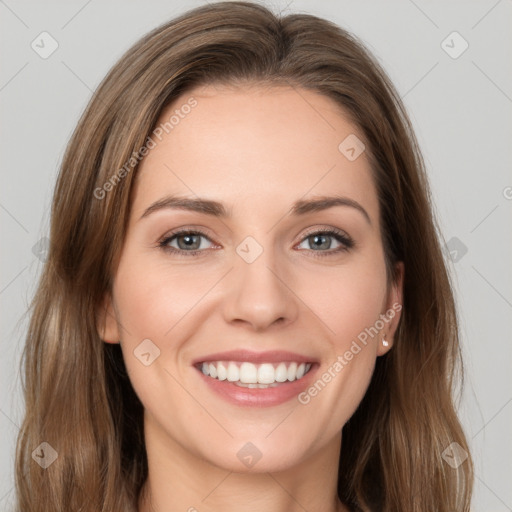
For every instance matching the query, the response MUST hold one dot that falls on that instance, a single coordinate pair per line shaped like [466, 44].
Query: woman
[245, 303]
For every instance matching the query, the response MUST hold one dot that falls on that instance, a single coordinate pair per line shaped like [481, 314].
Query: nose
[260, 293]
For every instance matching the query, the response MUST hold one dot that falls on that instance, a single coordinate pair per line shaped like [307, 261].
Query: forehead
[258, 147]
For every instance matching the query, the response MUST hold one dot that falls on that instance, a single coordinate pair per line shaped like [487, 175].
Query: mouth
[254, 379]
[254, 376]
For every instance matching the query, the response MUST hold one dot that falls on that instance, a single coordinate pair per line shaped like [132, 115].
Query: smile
[255, 376]
[256, 379]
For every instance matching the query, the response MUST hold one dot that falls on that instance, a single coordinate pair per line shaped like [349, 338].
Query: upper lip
[272, 356]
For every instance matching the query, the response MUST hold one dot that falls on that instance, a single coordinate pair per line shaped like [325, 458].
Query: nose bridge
[258, 294]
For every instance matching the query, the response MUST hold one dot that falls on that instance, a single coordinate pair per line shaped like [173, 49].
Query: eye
[321, 242]
[186, 241]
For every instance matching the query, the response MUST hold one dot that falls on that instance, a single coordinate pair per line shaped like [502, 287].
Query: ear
[392, 311]
[106, 322]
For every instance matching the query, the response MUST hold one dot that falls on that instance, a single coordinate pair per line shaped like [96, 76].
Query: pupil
[318, 241]
[189, 240]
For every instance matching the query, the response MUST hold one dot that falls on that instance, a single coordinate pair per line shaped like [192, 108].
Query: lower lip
[257, 397]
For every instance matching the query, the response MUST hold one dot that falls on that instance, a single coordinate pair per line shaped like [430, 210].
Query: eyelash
[346, 241]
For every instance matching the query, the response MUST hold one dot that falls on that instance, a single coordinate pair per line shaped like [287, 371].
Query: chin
[257, 456]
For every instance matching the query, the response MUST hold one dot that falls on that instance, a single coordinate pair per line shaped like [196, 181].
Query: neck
[180, 481]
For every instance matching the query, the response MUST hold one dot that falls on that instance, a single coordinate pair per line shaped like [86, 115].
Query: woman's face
[272, 285]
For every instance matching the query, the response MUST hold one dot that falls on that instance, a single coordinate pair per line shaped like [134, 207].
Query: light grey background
[461, 110]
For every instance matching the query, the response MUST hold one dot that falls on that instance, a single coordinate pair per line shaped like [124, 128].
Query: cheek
[152, 299]
[162, 303]
[350, 307]
[350, 304]
[347, 300]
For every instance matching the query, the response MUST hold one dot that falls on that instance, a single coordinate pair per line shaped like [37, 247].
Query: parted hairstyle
[78, 397]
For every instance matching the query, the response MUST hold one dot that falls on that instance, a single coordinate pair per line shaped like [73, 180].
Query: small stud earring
[385, 342]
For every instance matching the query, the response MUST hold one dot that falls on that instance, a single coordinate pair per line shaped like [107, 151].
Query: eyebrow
[216, 209]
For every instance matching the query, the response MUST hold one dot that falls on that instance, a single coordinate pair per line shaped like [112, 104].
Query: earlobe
[384, 346]
[393, 311]
[106, 323]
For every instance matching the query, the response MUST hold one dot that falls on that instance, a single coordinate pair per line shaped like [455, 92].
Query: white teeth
[248, 373]
[232, 373]
[266, 374]
[222, 373]
[292, 371]
[281, 373]
[255, 375]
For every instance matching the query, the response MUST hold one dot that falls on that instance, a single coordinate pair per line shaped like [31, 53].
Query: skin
[257, 150]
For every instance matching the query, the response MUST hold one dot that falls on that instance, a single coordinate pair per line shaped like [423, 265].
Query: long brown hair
[78, 396]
